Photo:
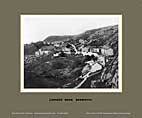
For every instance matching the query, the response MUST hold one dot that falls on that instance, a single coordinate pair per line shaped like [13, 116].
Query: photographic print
[71, 53]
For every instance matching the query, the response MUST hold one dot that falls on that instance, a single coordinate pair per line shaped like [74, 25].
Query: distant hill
[82, 35]
[57, 38]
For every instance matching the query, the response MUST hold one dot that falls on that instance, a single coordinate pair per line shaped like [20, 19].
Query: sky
[37, 27]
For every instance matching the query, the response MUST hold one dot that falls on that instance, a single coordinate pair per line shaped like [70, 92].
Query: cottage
[37, 53]
[66, 50]
[56, 54]
[89, 54]
[85, 49]
[81, 41]
[44, 50]
[93, 49]
[45, 42]
[107, 51]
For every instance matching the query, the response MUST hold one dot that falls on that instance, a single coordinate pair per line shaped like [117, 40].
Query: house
[37, 53]
[81, 41]
[57, 42]
[85, 49]
[94, 49]
[56, 54]
[44, 50]
[107, 51]
[66, 50]
[57, 45]
[40, 52]
[45, 42]
[89, 54]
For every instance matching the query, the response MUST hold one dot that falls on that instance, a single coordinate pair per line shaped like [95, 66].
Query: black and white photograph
[71, 53]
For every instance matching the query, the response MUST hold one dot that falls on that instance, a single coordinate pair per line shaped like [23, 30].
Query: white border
[39, 90]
